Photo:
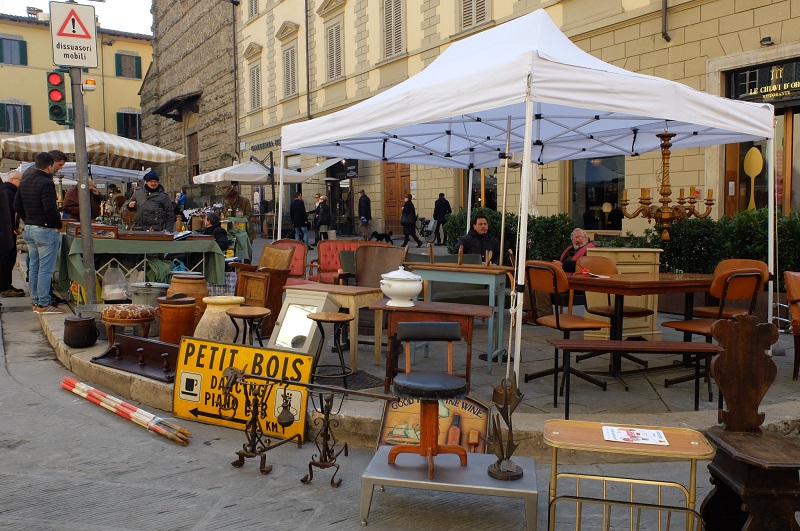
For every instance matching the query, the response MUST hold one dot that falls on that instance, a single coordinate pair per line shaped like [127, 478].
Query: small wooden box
[107, 232]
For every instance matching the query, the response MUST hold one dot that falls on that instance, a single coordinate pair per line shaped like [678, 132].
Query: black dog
[382, 237]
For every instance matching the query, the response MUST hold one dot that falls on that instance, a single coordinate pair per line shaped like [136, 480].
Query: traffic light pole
[84, 195]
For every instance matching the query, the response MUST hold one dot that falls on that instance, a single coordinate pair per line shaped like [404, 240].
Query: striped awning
[102, 148]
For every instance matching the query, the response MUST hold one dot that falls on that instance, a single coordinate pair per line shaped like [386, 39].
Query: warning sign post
[74, 35]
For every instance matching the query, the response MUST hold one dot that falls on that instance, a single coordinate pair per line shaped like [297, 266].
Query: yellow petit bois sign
[199, 385]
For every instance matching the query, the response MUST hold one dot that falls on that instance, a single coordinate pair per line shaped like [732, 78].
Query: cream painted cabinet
[629, 261]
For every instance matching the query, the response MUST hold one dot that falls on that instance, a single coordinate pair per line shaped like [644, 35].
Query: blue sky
[124, 15]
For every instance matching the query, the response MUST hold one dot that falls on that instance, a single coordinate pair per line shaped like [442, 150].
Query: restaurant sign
[766, 83]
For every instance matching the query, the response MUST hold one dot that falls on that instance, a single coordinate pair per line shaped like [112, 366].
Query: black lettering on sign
[272, 366]
[271, 425]
[297, 364]
[258, 364]
[200, 355]
[190, 347]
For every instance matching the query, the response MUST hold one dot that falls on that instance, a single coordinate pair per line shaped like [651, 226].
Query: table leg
[553, 487]
[490, 351]
[378, 336]
[367, 488]
[353, 336]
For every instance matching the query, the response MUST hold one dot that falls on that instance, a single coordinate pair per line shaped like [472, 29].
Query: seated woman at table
[213, 227]
[580, 244]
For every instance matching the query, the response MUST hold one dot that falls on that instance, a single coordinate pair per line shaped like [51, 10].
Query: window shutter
[138, 66]
[473, 12]
[26, 119]
[138, 127]
[466, 13]
[290, 71]
[118, 64]
[252, 8]
[3, 126]
[120, 124]
[255, 88]
[334, 51]
[480, 12]
[23, 53]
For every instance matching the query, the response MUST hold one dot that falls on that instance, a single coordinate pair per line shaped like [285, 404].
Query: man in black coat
[36, 205]
[441, 209]
[364, 214]
[479, 240]
[299, 217]
[213, 227]
[8, 235]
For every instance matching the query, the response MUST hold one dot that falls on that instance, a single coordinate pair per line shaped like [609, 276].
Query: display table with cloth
[109, 251]
[494, 277]
[242, 248]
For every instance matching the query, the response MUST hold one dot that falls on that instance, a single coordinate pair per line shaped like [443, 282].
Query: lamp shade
[607, 207]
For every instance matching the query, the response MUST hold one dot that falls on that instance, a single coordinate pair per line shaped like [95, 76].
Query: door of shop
[397, 181]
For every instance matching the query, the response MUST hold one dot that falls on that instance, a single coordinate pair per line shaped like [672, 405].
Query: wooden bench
[570, 346]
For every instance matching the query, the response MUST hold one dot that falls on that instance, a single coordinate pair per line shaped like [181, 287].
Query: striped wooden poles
[128, 411]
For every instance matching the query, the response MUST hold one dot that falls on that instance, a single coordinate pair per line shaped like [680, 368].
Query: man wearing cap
[364, 214]
[154, 210]
[36, 205]
[238, 206]
[322, 218]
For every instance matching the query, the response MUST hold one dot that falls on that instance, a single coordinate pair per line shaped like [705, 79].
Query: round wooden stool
[339, 321]
[127, 315]
[252, 317]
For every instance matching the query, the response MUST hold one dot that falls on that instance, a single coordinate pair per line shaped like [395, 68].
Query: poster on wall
[462, 421]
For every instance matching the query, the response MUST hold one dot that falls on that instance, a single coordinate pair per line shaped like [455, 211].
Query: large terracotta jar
[177, 314]
[215, 323]
[191, 285]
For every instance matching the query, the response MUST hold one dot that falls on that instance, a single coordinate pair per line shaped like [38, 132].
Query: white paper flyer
[634, 435]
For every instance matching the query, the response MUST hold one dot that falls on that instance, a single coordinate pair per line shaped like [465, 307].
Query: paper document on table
[634, 435]
[595, 275]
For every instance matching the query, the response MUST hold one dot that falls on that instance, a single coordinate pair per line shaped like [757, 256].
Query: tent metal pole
[522, 250]
[505, 190]
[771, 228]
[280, 199]
[469, 197]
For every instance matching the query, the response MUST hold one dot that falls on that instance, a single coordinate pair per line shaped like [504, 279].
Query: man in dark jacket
[8, 235]
[364, 214]
[153, 207]
[322, 218]
[36, 205]
[478, 240]
[441, 209]
[214, 228]
[299, 217]
[71, 206]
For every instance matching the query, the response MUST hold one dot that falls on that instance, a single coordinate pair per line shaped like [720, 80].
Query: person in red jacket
[71, 207]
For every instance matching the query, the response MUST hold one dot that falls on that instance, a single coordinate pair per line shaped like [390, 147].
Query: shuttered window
[290, 71]
[334, 45]
[129, 125]
[128, 65]
[473, 13]
[252, 8]
[255, 88]
[15, 118]
[13, 52]
[392, 27]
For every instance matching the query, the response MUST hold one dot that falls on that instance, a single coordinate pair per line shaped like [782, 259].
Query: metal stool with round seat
[429, 388]
[252, 317]
[339, 322]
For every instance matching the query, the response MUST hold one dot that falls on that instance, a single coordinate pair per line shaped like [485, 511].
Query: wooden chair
[299, 258]
[602, 265]
[792, 282]
[429, 388]
[550, 278]
[734, 280]
[262, 285]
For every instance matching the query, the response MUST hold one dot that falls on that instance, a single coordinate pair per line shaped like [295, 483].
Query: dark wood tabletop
[642, 283]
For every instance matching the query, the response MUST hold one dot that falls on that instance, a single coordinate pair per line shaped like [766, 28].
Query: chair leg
[796, 368]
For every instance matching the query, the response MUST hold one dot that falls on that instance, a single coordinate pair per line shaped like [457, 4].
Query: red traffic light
[54, 78]
[56, 95]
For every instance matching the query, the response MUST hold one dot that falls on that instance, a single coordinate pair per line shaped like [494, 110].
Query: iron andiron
[257, 389]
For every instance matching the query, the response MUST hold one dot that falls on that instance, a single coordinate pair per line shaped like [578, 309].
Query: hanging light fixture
[666, 214]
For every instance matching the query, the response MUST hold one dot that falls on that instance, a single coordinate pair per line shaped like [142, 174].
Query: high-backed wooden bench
[569, 346]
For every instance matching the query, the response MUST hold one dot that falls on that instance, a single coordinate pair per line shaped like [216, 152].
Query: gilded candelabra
[666, 214]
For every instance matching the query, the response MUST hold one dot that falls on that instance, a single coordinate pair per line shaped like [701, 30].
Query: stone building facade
[189, 94]
[306, 58]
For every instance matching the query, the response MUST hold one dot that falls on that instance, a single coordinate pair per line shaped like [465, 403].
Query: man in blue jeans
[36, 205]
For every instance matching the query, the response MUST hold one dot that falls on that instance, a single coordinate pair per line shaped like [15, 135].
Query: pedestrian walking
[322, 218]
[364, 214]
[408, 219]
[299, 217]
[441, 209]
[36, 205]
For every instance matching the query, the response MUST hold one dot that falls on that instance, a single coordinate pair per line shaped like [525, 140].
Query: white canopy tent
[561, 103]
[257, 173]
[99, 173]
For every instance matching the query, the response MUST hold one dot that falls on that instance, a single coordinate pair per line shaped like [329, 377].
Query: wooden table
[641, 284]
[353, 298]
[424, 311]
[582, 436]
[492, 276]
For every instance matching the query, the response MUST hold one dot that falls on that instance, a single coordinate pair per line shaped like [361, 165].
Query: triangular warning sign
[73, 27]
